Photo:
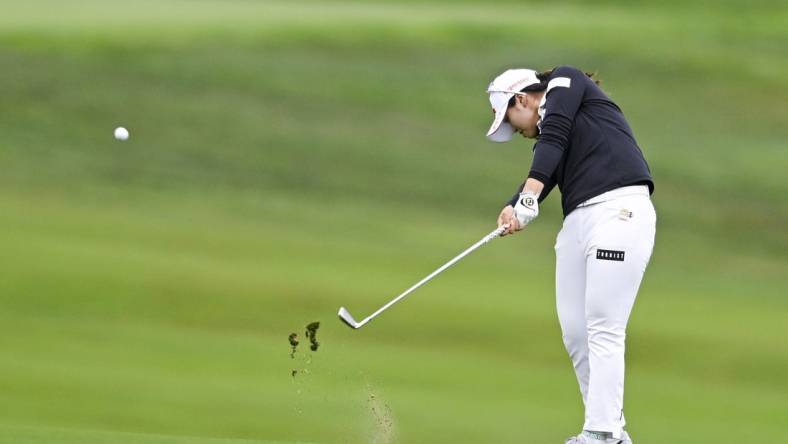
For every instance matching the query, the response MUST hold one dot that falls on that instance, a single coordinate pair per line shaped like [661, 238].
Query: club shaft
[497, 232]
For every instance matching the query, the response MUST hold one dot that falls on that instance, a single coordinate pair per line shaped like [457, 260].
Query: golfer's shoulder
[567, 79]
[565, 73]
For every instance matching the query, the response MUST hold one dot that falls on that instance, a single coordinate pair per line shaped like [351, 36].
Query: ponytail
[544, 77]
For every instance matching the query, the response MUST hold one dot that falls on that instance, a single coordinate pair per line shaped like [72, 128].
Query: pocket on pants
[623, 232]
[631, 209]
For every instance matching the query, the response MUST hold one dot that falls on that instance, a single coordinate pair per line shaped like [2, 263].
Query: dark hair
[544, 77]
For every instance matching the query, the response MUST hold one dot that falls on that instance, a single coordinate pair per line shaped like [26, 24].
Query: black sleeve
[563, 97]
[549, 184]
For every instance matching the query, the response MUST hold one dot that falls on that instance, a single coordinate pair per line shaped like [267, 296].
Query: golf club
[348, 319]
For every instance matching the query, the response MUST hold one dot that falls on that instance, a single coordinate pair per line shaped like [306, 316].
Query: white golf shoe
[583, 439]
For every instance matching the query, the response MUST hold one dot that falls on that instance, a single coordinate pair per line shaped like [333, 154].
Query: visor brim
[500, 131]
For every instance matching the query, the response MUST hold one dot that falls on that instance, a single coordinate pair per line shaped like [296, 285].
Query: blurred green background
[287, 158]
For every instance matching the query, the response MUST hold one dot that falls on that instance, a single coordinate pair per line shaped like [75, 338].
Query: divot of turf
[384, 432]
[293, 339]
[311, 334]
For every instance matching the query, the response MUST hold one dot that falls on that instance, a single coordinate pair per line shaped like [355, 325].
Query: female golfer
[585, 146]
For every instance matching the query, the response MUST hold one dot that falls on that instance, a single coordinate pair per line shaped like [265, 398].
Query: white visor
[500, 131]
[501, 90]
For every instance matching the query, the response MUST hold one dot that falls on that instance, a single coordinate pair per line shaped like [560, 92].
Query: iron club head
[346, 317]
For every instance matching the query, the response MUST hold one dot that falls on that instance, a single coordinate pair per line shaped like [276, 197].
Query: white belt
[618, 192]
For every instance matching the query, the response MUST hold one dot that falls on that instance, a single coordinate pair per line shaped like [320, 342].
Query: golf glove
[527, 208]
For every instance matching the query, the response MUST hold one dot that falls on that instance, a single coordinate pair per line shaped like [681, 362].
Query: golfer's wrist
[533, 186]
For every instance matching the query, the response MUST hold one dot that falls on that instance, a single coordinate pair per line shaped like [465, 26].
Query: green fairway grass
[44, 435]
[289, 158]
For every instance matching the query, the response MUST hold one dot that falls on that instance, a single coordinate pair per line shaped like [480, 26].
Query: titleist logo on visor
[513, 86]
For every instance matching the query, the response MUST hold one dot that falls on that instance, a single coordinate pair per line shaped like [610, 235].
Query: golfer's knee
[576, 342]
[605, 339]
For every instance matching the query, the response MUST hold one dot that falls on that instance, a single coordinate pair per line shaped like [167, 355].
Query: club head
[345, 317]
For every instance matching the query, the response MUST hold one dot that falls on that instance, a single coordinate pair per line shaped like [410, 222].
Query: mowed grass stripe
[48, 435]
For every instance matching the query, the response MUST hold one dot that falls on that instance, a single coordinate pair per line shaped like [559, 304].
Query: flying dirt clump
[311, 334]
[292, 339]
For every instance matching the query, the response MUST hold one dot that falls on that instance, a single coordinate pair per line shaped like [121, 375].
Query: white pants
[601, 255]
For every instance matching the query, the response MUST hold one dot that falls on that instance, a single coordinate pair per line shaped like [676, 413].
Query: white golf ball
[121, 133]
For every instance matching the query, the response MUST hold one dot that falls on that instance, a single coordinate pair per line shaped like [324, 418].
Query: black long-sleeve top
[585, 145]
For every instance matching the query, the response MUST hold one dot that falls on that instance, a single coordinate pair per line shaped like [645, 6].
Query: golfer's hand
[527, 208]
[507, 217]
